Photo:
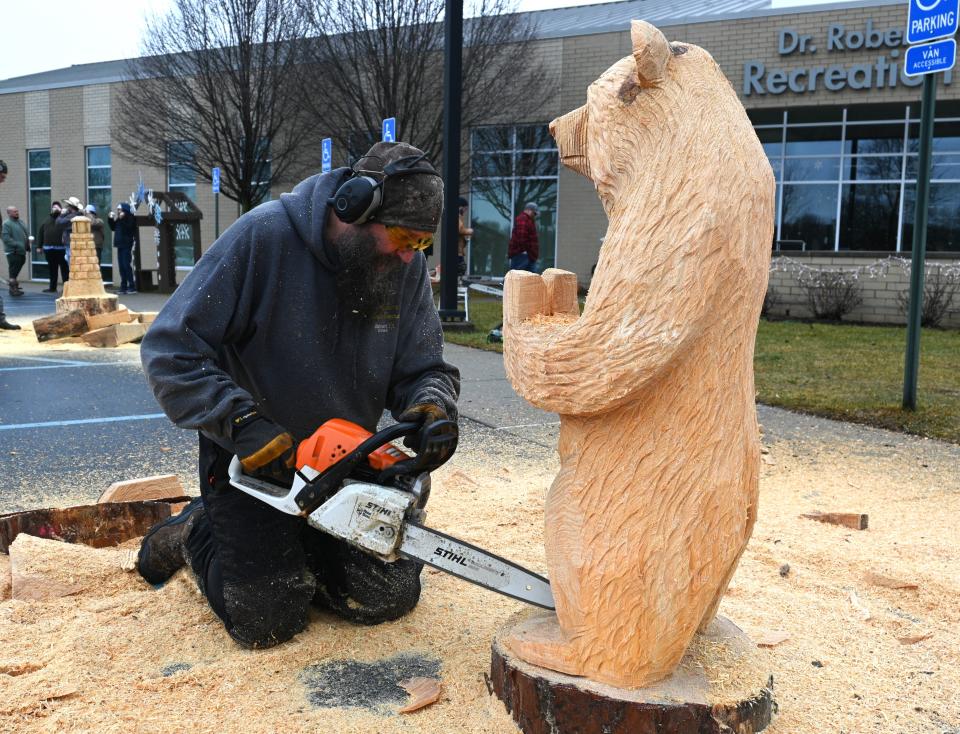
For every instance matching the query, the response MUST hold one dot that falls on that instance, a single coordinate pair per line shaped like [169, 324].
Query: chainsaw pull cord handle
[324, 486]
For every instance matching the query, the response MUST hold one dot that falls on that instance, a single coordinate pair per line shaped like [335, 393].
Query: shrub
[939, 289]
[831, 294]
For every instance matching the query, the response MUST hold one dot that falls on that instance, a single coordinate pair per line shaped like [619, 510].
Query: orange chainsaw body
[335, 439]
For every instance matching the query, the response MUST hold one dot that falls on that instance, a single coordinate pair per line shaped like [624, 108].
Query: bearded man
[304, 310]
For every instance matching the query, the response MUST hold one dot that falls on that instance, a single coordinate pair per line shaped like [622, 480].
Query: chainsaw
[358, 487]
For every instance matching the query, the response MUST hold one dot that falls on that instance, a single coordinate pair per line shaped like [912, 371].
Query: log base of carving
[542, 701]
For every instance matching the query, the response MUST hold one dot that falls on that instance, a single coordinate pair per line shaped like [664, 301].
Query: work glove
[425, 414]
[263, 447]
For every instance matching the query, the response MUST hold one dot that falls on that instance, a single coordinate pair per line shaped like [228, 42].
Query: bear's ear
[651, 52]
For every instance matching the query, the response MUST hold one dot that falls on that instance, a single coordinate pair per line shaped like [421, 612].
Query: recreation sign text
[884, 71]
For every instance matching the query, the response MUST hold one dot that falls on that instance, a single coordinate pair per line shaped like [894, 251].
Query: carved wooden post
[657, 491]
[84, 290]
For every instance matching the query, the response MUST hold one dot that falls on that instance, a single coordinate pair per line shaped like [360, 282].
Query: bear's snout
[570, 132]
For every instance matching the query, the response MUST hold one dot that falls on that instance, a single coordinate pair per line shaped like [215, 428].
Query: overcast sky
[36, 39]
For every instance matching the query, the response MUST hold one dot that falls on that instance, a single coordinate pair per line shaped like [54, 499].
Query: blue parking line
[84, 421]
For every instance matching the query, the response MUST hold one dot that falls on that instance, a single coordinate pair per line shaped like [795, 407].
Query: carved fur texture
[657, 491]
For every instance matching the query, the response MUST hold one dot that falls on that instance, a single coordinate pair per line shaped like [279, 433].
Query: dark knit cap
[413, 200]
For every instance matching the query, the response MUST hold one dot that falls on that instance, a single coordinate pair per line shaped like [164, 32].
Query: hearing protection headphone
[359, 197]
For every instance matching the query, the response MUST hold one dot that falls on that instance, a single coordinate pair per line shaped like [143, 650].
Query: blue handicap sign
[327, 148]
[389, 130]
[931, 19]
[930, 58]
[215, 179]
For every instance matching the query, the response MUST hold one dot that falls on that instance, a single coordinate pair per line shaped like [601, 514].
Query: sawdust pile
[117, 655]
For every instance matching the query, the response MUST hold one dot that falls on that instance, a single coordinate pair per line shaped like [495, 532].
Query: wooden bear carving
[659, 450]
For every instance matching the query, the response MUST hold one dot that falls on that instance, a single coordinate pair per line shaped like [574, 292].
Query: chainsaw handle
[436, 443]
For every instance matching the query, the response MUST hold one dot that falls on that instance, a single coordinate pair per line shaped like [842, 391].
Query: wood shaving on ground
[120, 655]
[423, 692]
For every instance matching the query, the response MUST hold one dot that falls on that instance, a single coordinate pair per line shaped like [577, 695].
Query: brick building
[822, 83]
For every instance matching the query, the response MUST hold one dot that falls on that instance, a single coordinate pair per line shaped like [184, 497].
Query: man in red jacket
[524, 249]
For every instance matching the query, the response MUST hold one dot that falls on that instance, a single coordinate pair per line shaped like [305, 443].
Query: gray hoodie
[258, 323]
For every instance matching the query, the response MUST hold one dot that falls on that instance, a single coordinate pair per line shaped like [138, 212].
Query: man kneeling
[311, 307]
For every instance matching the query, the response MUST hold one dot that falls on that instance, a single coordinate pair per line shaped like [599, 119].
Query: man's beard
[368, 282]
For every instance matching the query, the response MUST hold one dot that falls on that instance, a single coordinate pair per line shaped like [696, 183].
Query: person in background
[465, 232]
[4, 324]
[14, 234]
[74, 210]
[524, 248]
[96, 229]
[125, 236]
[49, 243]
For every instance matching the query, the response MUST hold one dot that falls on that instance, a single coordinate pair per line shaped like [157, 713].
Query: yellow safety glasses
[404, 238]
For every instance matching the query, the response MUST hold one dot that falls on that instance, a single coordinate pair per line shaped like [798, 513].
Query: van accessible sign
[928, 20]
[882, 71]
[930, 58]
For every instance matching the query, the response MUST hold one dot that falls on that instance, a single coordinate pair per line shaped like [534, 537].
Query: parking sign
[215, 179]
[928, 20]
[930, 58]
[327, 148]
[389, 130]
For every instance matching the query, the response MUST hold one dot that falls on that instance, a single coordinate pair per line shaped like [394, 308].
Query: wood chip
[423, 692]
[887, 582]
[914, 639]
[771, 638]
[855, 520]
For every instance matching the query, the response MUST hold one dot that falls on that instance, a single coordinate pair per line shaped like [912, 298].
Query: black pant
[57, 261]
[260, 569]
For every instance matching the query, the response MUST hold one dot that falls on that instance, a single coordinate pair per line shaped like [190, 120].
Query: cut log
[160, 487]
[101, 320]
[60, 325]
[146, 317]
[95, 525]
[90, 305]
[542, 701]
[854, 520]
[113, 336]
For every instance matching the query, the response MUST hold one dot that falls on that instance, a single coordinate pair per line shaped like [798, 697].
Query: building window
[99, 178]
[510, 166]
[182, 177]
[38, 183]
[846, 178]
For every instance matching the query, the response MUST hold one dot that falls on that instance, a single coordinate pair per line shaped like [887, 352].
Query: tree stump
[99, 526]
[718, 688]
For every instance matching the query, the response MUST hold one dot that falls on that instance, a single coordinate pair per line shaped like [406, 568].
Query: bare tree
[372, 59]
[223, 77]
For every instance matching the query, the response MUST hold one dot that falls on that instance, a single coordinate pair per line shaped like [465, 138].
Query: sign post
[927, 20]
[388, 131]
[327, 157]
[215, 180]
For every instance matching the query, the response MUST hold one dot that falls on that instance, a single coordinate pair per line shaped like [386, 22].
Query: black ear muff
[356, 199]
